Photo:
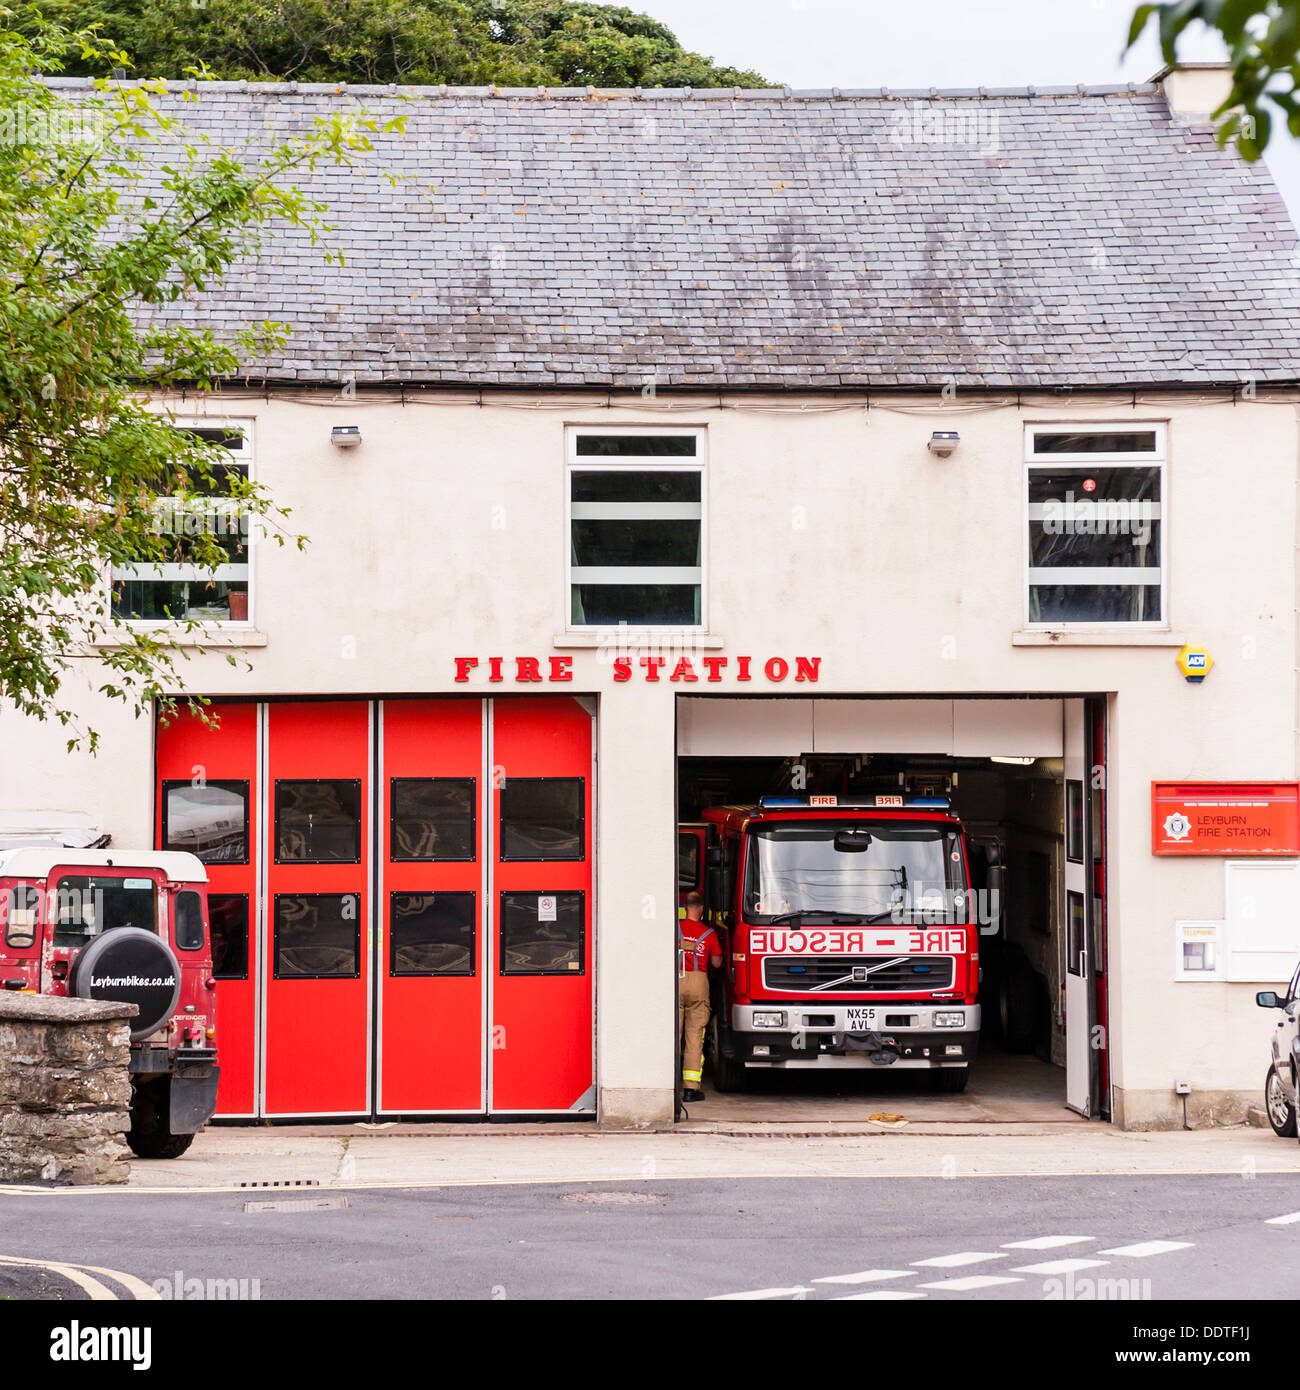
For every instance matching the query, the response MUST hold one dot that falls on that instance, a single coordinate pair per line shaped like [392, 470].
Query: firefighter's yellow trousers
[692, 1020]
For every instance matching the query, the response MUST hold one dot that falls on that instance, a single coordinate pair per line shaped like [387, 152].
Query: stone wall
[65, 1093]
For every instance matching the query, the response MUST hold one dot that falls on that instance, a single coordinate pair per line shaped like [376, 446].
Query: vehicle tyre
[728, 1074]
[949, 1080]
[1281, 1113]
[149, 1136]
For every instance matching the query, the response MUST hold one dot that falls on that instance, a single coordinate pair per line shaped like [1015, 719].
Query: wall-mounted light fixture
[345, 436]
[943, 442]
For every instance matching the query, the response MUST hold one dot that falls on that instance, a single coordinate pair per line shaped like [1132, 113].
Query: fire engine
[851, 937]
[130, 927]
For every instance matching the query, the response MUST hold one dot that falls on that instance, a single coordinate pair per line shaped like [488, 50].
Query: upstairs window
[636, 527]
[1096, 524]
[179, 590]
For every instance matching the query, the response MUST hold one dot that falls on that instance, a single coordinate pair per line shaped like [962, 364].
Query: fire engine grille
[884, 973]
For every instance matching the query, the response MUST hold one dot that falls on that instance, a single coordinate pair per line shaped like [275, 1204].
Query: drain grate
[300, 1204]
[616, 1199]
[284, 1182]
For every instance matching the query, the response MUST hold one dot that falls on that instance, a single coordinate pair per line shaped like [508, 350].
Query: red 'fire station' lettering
[528, 669]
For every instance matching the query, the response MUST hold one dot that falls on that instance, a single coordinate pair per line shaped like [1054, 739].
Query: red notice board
[1225, 818]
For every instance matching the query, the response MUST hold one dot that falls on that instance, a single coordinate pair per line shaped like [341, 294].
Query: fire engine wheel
[949, 1080]
[149, 1136]
[728, 1074]
[1281, 1113]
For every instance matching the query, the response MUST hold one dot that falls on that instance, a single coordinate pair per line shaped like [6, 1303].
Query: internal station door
[318, 846]
[207, 805]
[430, 956]
[541, 1052]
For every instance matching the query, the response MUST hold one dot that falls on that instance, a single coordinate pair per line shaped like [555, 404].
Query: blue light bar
[880, 803]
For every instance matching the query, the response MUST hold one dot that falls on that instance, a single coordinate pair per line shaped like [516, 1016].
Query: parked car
[1280, 1097]
[130, 926]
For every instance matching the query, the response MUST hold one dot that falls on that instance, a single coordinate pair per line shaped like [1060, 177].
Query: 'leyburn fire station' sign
[1225, 818]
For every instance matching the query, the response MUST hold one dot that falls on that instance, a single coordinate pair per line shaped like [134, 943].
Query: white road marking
[1045, 1242]
[1289, 1220]
[1060, 1266]
[971, 1281]
[797, 1291]
[867, 1276]
[1149, 1247]
[878, 1295]
[964, 1257]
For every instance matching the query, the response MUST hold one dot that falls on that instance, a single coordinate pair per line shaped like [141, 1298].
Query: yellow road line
[144, 1293]
[419, 1185]
[97, 1291]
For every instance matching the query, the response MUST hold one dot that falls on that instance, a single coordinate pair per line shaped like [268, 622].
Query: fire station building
[665, 449]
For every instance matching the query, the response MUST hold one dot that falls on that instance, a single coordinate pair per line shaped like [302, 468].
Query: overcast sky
[939, 43]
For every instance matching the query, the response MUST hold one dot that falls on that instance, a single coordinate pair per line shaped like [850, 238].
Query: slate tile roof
[768, 239]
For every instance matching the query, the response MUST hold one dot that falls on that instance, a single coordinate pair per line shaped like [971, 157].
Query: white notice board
[1262, 919]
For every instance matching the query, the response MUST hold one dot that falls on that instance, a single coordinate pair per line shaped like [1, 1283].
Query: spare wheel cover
[130, 965]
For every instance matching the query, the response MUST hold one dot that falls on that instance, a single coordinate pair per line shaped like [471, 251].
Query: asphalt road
[1156, 1237]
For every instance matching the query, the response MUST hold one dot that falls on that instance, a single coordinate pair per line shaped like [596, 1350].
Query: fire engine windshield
[854, 871]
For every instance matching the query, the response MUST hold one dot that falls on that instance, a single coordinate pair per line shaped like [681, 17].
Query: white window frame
[1158, 457]
[661, 574]
[175, 573]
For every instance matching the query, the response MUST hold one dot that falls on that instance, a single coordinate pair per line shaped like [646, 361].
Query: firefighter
[697, 949]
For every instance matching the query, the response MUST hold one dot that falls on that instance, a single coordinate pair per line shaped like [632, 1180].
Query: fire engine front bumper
[908, 1036]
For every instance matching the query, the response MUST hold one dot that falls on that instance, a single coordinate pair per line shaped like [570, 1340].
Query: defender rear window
[188, 927]
[20, 922]
[87, 905]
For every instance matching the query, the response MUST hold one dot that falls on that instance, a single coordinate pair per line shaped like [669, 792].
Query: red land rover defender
[851, 935]
[131, 926]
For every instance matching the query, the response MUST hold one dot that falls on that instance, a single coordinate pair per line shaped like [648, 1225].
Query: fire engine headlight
[773, 1020]
[949, 1019]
